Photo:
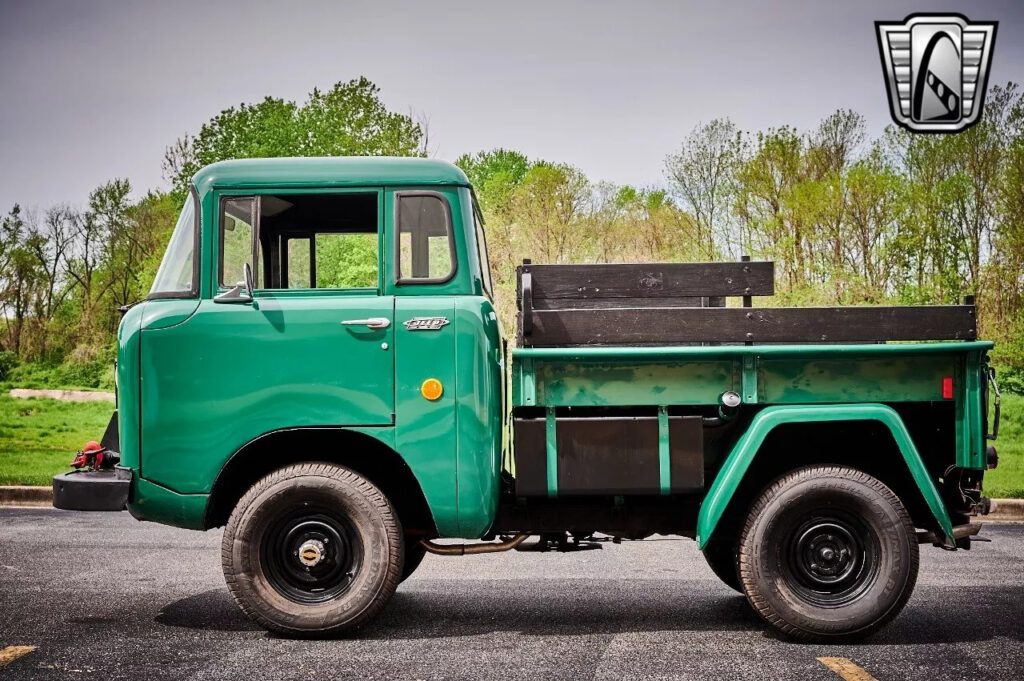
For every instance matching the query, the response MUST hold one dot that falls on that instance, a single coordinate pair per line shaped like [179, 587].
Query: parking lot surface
[103, 596]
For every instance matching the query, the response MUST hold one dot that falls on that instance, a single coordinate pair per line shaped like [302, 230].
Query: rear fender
[738, 461]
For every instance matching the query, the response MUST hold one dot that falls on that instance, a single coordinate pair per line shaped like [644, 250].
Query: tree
[20, 275]
[106, 217]
[875, 214]
[765, 186]
[347, 120]
[702, 176]
[494, 174]
[49, 246]
[550, 203]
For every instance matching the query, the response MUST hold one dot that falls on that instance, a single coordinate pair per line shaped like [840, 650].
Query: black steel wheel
[312, 549]
[832, 559]
[828, 553]
[311, 554]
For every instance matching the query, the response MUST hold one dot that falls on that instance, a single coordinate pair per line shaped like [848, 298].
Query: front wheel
[312, 549]
[828, 553]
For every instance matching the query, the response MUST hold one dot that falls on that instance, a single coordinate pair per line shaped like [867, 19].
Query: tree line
[902, 218]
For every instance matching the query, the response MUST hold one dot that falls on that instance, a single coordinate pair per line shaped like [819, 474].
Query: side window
[319, 240]
[237, 220]
[346, 260]
[425, 247]
[299, 262]
[336, 261]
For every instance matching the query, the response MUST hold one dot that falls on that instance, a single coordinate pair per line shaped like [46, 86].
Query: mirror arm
[242, 292]
[238, 295]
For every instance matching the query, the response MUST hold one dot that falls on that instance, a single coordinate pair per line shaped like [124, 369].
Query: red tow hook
[94, 456]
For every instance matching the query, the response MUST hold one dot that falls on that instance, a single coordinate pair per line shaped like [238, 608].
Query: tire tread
[820, 474]
[368, 490]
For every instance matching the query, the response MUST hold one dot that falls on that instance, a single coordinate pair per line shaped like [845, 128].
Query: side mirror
[247, 273]
[242, 291]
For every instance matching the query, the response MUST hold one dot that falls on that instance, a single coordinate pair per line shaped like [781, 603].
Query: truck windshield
[176, 276]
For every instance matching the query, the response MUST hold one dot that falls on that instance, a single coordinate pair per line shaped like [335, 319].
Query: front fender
[738, 461]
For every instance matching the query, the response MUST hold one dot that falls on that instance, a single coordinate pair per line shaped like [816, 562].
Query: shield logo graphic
[936, 69]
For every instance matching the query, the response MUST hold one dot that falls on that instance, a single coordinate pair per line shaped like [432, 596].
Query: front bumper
[102, 490]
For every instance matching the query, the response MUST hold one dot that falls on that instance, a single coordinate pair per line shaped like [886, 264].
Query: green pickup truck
[320, 370]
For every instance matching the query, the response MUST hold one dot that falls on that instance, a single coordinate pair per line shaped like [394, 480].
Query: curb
[1003, 510]
[25, 495]
[64, 395]
[1006, 510]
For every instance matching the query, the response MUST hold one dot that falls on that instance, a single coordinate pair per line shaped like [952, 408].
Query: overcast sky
[92, 90]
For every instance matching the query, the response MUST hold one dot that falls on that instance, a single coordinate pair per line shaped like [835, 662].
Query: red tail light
[947, 388]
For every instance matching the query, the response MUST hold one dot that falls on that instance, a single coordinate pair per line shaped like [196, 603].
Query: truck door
[313, 348]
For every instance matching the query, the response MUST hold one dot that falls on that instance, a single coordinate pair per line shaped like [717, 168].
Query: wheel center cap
[311, 552]
[827, 554]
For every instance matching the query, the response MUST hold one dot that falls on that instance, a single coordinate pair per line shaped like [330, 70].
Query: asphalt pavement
[103, 596]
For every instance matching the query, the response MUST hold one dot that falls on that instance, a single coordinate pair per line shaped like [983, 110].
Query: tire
[721, 557]
[414, 553]
[312, 549]
[828, 553]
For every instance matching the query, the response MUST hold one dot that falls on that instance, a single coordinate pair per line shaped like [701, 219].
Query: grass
[1007, 480]
[38, 438]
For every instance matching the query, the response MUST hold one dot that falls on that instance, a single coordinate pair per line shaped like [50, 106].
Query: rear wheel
[721, 557]
[828, 553]
[312, 549]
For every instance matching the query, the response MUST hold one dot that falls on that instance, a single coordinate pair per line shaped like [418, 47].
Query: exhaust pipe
[470, 549]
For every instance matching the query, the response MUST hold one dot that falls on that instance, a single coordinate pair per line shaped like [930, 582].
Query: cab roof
[333, 171]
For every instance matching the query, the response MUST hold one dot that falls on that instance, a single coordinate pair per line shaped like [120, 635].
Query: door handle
[372, 322]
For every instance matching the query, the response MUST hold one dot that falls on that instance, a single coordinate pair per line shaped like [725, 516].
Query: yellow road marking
[846, 669]
[12, 653]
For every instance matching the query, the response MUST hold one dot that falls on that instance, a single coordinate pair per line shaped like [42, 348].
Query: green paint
[198, 380]
[771, 374]
[327, 173]
[968, 388]
[738, 461]
[664, 452]
[591, 384]
[478, 416]
[749, 373]
[148, 501]
[524, 390]
[551, 445]
[234, 372]
[974, 456]
[898, 378]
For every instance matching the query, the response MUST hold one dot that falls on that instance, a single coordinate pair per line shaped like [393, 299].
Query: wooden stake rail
[682, 303]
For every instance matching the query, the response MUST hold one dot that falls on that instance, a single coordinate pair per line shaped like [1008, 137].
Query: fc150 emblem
[425, 323]
[936, 69]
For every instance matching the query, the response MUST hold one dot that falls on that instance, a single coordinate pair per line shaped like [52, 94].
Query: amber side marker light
[431, 389]
[947, 388]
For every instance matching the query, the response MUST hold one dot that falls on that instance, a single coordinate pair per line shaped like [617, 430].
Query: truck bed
[611, 395]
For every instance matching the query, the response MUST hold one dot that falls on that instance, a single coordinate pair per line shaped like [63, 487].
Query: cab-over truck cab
[320, 370]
